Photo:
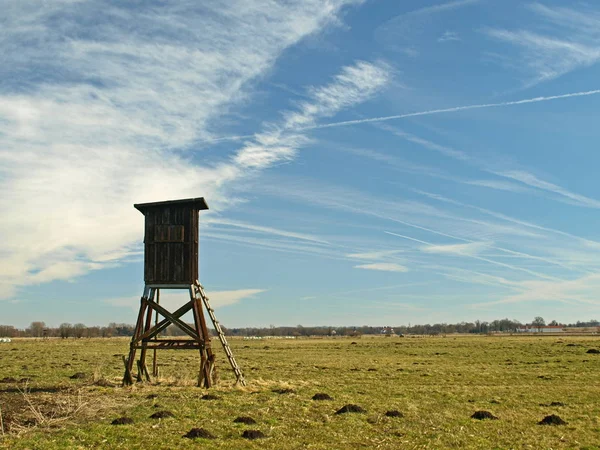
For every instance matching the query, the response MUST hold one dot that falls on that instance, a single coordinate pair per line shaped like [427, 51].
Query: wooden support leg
[206, 359]
[128, 377]
[143, 370]
[154, 359]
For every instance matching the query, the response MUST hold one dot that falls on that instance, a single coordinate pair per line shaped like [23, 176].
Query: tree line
[79, 330]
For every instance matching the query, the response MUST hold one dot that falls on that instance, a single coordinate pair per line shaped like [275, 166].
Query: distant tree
[554, 323]
[8, 331]
[538, 322]
[79, 330]
[65, 330]
[36, 329]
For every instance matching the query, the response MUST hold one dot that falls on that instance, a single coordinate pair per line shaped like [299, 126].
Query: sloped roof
[198, 203]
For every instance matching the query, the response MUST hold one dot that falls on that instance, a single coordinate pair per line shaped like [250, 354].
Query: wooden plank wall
[171, 245]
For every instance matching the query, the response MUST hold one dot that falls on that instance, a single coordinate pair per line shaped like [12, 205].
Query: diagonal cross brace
[170, 318]
[157, 328]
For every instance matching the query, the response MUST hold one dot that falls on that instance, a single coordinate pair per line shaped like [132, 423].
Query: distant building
[388, 331]
[541, 329]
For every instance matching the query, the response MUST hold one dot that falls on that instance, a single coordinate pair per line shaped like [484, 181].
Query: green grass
[436, 382]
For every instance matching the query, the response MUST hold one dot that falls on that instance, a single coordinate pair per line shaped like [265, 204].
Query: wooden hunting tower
[171, 262]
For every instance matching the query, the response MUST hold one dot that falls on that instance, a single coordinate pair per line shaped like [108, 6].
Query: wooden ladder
[211, 312]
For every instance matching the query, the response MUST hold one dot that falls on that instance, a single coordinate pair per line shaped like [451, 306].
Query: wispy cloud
[575, 42]
[487, 260]
[402, 32]
[581, 290]
[472, 248]
[374, 254]
[355, 84]
[455, 109]
[449, 36]
[533, 181]
[177, 298]
[267, 230]
[89, 114]
[384, 267]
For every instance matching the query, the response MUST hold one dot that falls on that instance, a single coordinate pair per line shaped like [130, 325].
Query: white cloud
[268, 230]
[95, 118]
[374, 254]
[472, 248]
[384, 267]
[174, 299]
[564, 194]
[430, 112]
[574, 44]
[449, 36]
[355, 84]
[580, 290]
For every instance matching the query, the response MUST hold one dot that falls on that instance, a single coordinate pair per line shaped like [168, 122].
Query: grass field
[436, 383]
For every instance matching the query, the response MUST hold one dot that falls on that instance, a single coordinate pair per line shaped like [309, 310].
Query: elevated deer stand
[171, 262]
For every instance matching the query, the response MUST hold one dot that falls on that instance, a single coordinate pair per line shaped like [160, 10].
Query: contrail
[456, 108]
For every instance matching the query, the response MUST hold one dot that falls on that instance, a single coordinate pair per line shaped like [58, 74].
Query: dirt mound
[553, 404]
[350, 409]
[78, 376]
[196, 433]
[394, 413]
[253, 434]
[552, 419]
[482, 415]
[8, 380]
[371, 369]
[210, 397]
[284, 391]
[353, 343]
[151, 396]
[571, 345]
[322, 396]
[122, 421]
[593, 350]
[162, 415]
[244, 419]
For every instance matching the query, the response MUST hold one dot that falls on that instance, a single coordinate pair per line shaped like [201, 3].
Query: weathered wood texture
[171, 241]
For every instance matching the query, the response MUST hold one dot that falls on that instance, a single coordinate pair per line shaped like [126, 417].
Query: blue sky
[365, 162]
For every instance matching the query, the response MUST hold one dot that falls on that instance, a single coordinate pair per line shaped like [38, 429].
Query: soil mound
[571, 345]
[482, 415]
[353, 343]
[371, 369]
[394, 413]
[552, 419]
[322, 396]
[162, 415]
[284, 391]
[151, 396]
[244, 419]
[553, 404]
[77, 376]
[253, 434]
[8, 380]
[593, 350]
[350, 409]
[122, 421]
[196, 433]
[210, 397]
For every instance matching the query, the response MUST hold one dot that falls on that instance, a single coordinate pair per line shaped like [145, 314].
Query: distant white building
[541, 329]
